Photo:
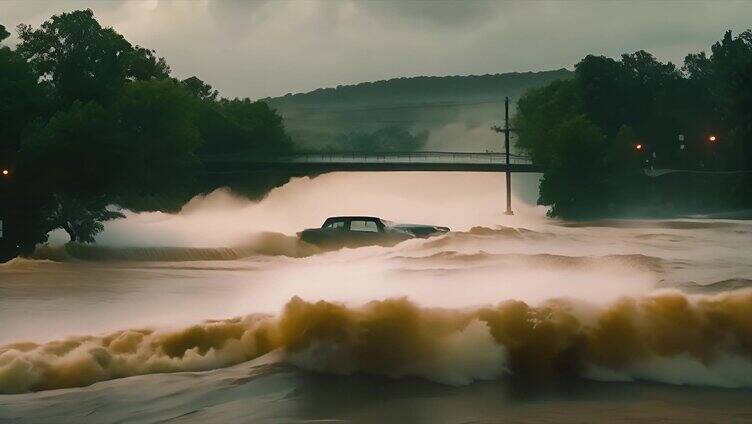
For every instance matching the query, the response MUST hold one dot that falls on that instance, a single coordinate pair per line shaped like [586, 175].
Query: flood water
[219, 314]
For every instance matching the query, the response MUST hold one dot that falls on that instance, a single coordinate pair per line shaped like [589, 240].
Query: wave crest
[668, 337]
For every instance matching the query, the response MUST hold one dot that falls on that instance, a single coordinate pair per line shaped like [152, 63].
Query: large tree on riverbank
[92, 122]
[84, 61]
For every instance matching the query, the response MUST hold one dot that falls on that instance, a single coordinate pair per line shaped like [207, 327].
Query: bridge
[318, 163]
[314, 163]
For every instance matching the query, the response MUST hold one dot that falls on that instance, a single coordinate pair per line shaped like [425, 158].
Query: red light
[638, 146]
[712, 138]
[6, 172]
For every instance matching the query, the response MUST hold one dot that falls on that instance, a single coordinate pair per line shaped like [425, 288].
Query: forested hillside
[434, 113]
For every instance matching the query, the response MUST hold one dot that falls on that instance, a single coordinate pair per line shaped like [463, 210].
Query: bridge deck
[329, 162]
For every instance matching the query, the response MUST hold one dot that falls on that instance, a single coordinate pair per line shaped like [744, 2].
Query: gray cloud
[269, 48]
[448, 14]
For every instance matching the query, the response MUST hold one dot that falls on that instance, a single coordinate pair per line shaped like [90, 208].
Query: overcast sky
[269, 48]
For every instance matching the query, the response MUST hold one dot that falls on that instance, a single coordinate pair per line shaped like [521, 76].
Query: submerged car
[355, 231]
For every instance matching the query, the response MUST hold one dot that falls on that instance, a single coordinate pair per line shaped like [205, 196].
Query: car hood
[419, 226]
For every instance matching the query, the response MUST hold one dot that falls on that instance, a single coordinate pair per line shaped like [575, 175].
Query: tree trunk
[71, 233]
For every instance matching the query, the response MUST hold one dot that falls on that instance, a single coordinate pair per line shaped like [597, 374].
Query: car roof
[353, 217]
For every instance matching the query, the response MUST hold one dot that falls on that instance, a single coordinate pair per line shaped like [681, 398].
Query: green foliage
[422, 89]
[157, 122]
[727, 77]
[3, 33]
[91, 121]
[83, 60]
[148, 134]
[22, 99]
[584, 131]
[622, 156]
[86, 155]
[200, 89]
[320, 118]
[80, 218]
[540, 112]
[76, 152]
[569, 187]
[235, 125]
[387, 139]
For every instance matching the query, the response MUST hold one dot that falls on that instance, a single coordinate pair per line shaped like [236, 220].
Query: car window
[365, 226]
[335, 225]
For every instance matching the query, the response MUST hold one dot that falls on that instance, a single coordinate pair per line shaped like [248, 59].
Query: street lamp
[638, 146]
[6, 172]
[712, 139]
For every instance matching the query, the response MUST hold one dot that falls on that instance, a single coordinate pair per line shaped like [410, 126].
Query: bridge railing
[386, 157]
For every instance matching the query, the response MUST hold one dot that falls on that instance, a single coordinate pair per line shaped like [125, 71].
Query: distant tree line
[596, 132]
[386, 139]
[328, 118]
[420, 90]
[90, 120]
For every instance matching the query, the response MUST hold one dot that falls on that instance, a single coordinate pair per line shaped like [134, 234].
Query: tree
[623, 157]
[156, 121]
[725, 80]
[72, 161]
[88, 156]
[92, 123]
[638, 100]
[80, 218]
[22, 100]
[234, 125]
[386, 139]
[200, 89]
[78, 152]
[574, 184]
[84, 61]
[603, 85]
[540, 112]
[3, 33]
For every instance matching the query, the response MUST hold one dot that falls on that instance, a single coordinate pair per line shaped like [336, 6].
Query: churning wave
[476, 233]
[267, 244]
[717, 286]
[451, 257]
[666, 337]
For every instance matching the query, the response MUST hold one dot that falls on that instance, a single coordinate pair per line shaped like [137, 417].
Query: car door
[365, 231]
[334, 230]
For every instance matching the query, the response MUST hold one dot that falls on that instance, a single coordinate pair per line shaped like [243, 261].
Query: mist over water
[222, 219]
[226, 281]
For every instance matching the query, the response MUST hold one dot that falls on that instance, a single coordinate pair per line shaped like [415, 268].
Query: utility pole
[506, 146]
[506, 130]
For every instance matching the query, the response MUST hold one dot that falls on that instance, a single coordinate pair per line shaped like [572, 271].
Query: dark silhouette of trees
[92, 124]
[242, 124]
[586, 130]
[200, 89]
[84, 61]
[387, 139]
[80, 218]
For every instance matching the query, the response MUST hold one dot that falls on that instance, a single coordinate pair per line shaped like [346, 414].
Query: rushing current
[220, 314]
